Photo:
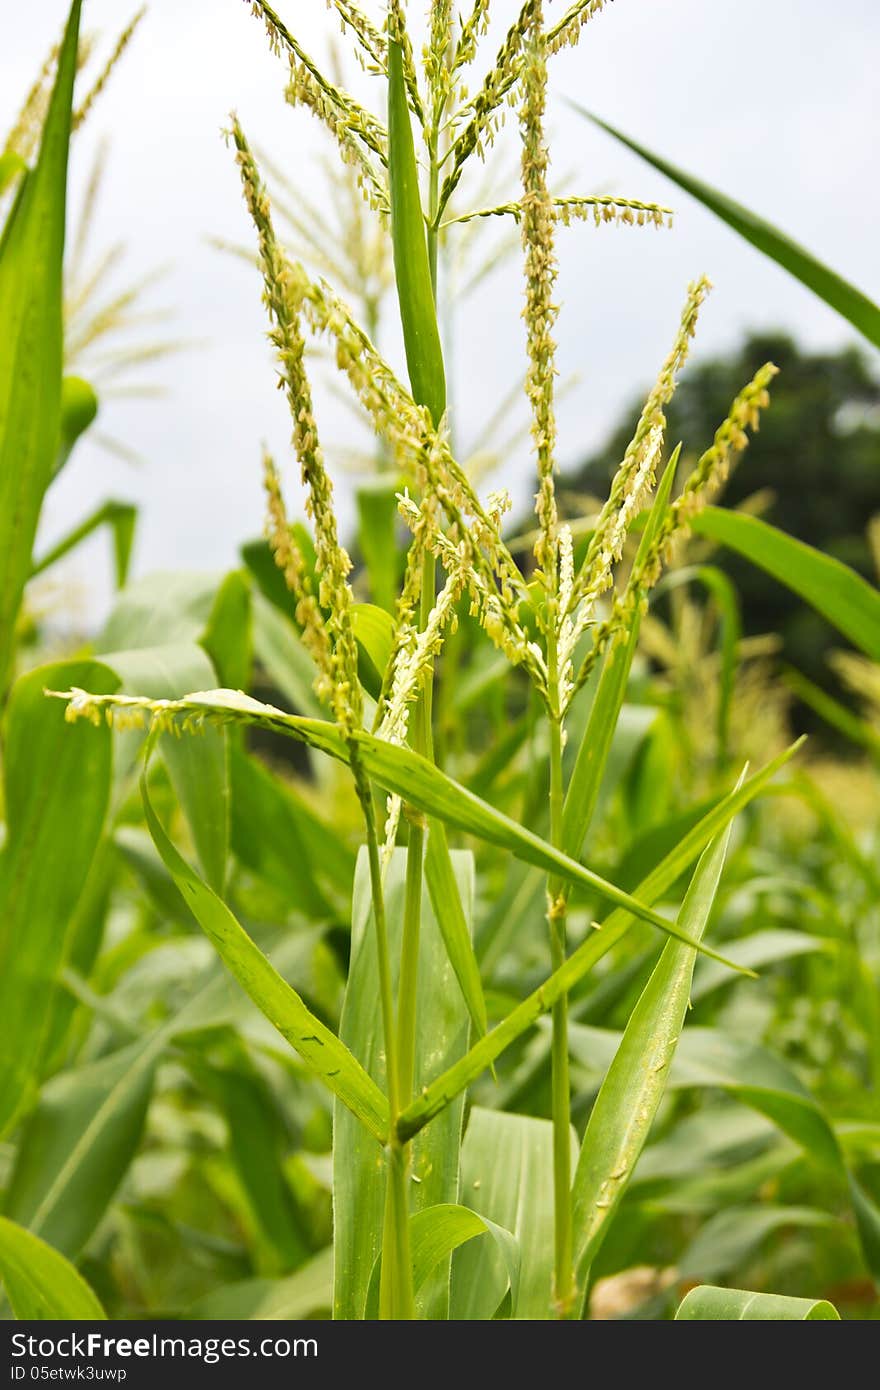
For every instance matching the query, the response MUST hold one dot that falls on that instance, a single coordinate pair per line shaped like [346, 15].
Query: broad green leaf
[860, 311]
[421, 336]
[257, 1145]
[159, 610]
[278, 836]
[197, 766]
[31, 255]
[848, 602]
[595, 746]
[759, 949]
[40, 1284]
[374, 630]
[57, 786]
[713, 1304]
[730, 1238]
[284, 659]
[582, 960]
[419, 782]
[227, 636]
[624, 1111]
[437, 1232]
[377, 537]
[442, 1021]
[304, 1294]
[78, 1143]
[759, 1078]
[120, 517]
[505, 1162]
[454, 926]
[320, 1049]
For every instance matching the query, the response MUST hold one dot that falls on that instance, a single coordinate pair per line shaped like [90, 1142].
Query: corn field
[434, 917]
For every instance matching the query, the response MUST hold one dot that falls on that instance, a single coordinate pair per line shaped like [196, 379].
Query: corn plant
[422, 1219]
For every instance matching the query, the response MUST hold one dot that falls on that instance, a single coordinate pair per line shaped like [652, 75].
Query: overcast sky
[774, 101]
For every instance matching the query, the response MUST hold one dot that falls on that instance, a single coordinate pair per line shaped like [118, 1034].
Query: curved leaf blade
[39, 1282]
[707, 1303]
[838, 293]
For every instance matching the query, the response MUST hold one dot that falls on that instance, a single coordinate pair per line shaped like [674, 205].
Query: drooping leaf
[120, 517]
[716, 1305]
[31, 255]
[40, 1284]
[838, 293]
[320, 1049]
[847, 600]
[57, 786]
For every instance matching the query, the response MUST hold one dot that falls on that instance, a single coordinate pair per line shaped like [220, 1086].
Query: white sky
[773, 101]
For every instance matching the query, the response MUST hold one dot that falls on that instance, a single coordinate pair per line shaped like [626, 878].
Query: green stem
[563, 1282]
[396, 1300]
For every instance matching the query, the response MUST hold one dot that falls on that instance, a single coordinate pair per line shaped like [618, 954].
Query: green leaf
[760, 1079]
[454, 927]
[419, 782]
[377, 537]
[31, 256]
[320, 1049]
[159, 610]
[595, 746]
[279, 837]
[723, 592]
[40, 1283]
[359, 1180]
[860, 311]
[119, 516]
[304, 1294]
[11, 165]
[505, 1161]
[730, 1238]
[197, 766]
[759, 949]
[57, 786]
[624, 1111]
[717, 1305]
[838, 715]
[227, 636]
[848, 602]
[436, 1233]
[78, 1144]
[374, 630]
[421, 336]
[280, 652]
[484, 1052]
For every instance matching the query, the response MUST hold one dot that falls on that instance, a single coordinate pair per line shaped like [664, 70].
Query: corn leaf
[41, 1284]
[716, 1305]
[377, 537]
[454, 926]
[120, 517]
[78, 1144]
[304, 1294]
[595, 746]
[421, 336]
[320, 1049]
[582, 960]
[847, 600]
[624, 1111]
[57, 787]
[358, 1192]
[31, 255]
[838, 293]
[505, 1160]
